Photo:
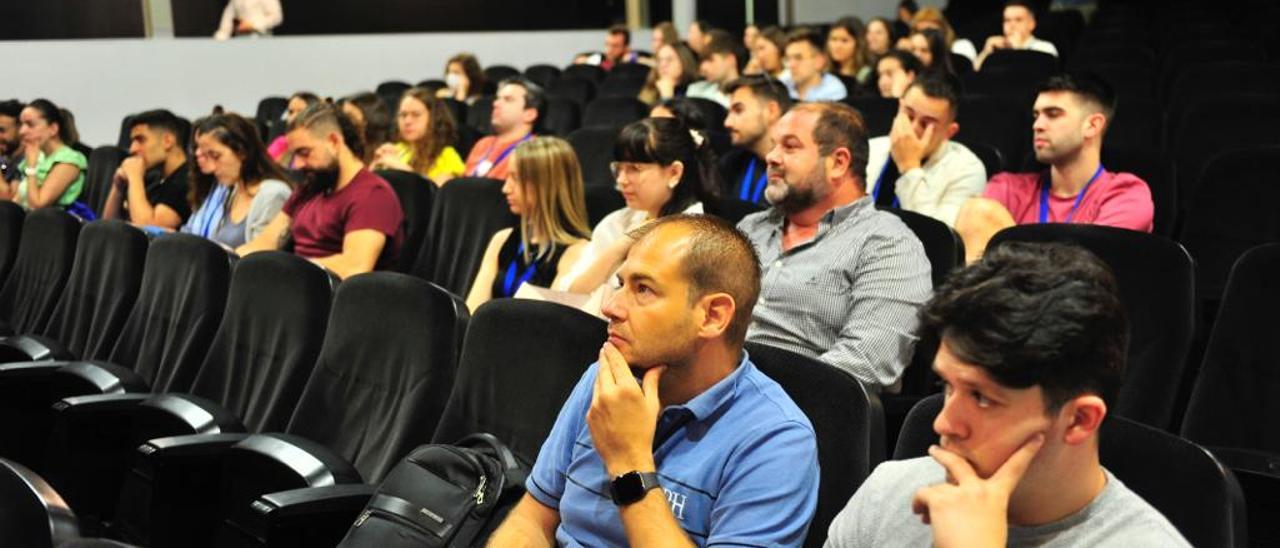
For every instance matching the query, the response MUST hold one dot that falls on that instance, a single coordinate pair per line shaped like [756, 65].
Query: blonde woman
[426, 133]
[544, 188]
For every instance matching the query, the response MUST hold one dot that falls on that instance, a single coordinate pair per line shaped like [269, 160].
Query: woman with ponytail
[661, 168]
[51, 172]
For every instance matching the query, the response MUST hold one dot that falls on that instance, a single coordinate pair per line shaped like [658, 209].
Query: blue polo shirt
[829, 88]
[738, 464]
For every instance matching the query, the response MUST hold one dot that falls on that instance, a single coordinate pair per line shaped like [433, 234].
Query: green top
[45, 163]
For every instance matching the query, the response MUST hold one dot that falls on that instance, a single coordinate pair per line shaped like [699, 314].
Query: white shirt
[938, 187]
[707, 90]
[263, 15]
[1043, 46]
[962, 46]
[614, 225]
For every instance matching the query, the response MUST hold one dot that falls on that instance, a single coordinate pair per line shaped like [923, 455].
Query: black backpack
[442, 495]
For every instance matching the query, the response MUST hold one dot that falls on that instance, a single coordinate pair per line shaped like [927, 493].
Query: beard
[793, 197]
[320, 181]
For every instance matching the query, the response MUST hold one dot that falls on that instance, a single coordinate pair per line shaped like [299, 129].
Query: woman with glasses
[544, 188]
[661, 168]
[236, 185]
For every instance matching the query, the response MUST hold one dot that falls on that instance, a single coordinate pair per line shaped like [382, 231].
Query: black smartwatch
[632, 486]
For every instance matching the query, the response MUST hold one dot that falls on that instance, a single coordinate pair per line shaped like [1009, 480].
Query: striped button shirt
[849, 297]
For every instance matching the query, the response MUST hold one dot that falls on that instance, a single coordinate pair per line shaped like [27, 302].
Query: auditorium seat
[381, 381]
[1221, 124]
[269, 113]
[993, 161]
[498, 73]
[1232, 410]
[251, 378]
[590, 73]
[179, 305]
[32, 515]
[877, 113]
[997, 121]
[847, 422]
[1138, 123]
[561, 117]
[11, 218]
[459, 111]
[542, 74]
[1190, 52]
[631, 70]
[714, 113]
[464, 216]
[961, 64]
[1234, 210]
[432, 85]
[415, 193]
[1028, 64]
[1156, 279]
[95, 301]
[594, 146]
[390, 92]
[98, 177]
[480, 115]
[578, 90]
[40, 270]
[614, 112]
[1208, 80]
[620, 86]
[602, 200]
[1181, 480]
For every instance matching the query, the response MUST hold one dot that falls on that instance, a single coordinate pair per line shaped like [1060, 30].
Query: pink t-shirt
[322, 221]
[277, 148]
[1114, 199]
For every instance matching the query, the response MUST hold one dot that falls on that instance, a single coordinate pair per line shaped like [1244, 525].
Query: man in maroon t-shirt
[344, 217]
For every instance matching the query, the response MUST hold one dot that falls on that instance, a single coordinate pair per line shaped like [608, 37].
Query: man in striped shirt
[842, 281]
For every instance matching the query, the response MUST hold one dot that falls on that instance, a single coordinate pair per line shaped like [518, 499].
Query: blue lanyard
[509, 282]
[506, 152]
[880, 185]
[750, 192]
[1044, 197]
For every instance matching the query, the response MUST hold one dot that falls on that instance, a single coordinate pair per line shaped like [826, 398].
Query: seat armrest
[311, 516]
[311, 463]
[33, 348]
[1249, 461]
[97, 377]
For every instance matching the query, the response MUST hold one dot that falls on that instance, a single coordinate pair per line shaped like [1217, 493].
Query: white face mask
[453, 80]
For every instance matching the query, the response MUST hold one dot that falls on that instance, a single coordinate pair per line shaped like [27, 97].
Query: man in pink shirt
[1072, 112]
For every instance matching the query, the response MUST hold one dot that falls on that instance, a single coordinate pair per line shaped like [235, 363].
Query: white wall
[813, 11]
[101, 81]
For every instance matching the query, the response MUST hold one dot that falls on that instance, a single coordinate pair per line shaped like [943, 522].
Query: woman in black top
[543, 187]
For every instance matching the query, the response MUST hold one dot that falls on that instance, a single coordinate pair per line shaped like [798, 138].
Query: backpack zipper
[480, 490]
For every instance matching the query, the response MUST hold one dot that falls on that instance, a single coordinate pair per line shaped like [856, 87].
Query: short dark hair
[721, 42]
[940, 86]
[910, 63]
[534, 97]
[1035, 314]
[11, 108]
[1089, 87]
[624, 31]
[163, 121]
[764, 88]
[720, 260]
[808, 35]
[1023, 4]
[910, 5]
[840, 126]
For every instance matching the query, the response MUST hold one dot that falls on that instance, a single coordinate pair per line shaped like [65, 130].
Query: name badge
[483, 168]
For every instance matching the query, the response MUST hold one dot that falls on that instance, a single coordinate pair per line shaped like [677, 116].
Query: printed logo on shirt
[677, 502]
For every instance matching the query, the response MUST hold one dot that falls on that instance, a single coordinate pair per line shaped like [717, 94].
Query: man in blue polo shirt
[705, 450]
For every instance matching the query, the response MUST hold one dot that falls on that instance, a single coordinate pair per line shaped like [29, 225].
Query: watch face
[627, 488]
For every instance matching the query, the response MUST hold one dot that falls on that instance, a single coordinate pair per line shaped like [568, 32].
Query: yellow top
[448, 163]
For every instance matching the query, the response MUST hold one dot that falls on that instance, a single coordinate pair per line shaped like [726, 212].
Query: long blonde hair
[548, 168]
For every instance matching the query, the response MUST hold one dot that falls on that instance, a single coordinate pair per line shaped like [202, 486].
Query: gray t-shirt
[879, 514]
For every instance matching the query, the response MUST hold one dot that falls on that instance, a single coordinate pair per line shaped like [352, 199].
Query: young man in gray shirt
[1033, 343]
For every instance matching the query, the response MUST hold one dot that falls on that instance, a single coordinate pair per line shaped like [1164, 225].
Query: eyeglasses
[208, 154]
[630, 169]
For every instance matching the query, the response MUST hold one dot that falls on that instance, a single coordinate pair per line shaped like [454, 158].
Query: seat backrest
[1178, 478]
[390, 92]
[847, 420]
[992, 160]
[385, 370]
[1229, 215]
[601, 201]
[577, 90]
[32, 514]
[1135, 55]
[614, 112]
[40, 270]
[11, 217]
[942, 246]
[1221, 124]
[100, 290]
[179, 306]
[269, 113]
[543, 75]
[1156, 278]
[877, 113]
[266, 346]
[714, 113]
[1233, 403]
[480, 113]
[562, 116]
[415, 193]
[464, 216]
[103, 162]
[498, 73]
[1036, 65]
[520, 361]
[620, 86]
[594, 146]
[590, 73]
[997, 121]
[634, 70]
